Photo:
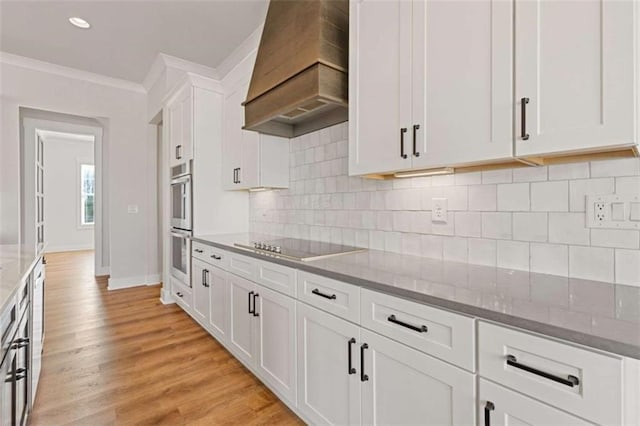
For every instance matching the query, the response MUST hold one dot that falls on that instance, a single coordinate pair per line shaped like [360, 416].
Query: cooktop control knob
[277, 249]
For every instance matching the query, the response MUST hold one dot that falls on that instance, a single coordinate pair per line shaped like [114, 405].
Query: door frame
[31, 128]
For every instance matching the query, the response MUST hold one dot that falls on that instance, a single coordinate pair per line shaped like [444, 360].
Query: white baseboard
[128, 282]
[154, 279]
[56, 249]
[165, 297]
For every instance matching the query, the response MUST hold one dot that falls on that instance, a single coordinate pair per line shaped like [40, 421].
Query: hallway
[122, 357]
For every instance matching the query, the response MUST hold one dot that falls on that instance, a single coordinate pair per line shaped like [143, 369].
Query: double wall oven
[181, 222]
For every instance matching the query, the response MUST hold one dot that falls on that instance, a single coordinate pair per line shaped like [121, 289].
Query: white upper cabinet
[461, 82]
[436, 83]
[250, 159]
[181, 127]
[430, 83]
[574, 62]
[379, 85]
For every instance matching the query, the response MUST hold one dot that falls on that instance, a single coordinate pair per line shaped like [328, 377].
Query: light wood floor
[121, 357]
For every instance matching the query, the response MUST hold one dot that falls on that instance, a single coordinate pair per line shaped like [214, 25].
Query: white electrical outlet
[598, 211]
[613, 211]
[439, 210]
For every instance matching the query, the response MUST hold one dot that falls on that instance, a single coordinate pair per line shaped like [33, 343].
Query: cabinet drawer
[276, 277]
[211, 255]
[439, 333]
[577, 380]
[333, 296]
[241, 265]
[182, 294]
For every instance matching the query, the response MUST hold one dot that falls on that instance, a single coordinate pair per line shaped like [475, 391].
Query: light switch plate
[439, 211]
[613, 211]
[132, 209]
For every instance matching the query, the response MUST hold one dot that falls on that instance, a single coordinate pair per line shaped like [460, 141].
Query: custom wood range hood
[300, 81]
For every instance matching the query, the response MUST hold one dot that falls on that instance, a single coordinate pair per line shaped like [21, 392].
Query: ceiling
[126, 36]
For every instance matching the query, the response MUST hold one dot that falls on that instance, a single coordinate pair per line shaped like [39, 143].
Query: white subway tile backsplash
[530, 174]
[513, 197]
[455, 249]
[431, 246]
[579, 189]
[513, 255]
[456, 197]
[530, 226]
[468, 224]
[627, 266]
[482, 252]
[497, 176]
[616, 238]
[628, 185]
[569, 171]
[496, 225]
[470, 178]
[622, 167]
[591, 263]
[568, 228]
[549, 259]
[526, 218]
[482, 197]
[550, 196]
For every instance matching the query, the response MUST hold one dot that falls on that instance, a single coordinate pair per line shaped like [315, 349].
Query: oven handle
[181, 180]
[179, 234]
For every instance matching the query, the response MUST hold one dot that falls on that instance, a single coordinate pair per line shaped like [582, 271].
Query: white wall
[121, 106]
[62, 158]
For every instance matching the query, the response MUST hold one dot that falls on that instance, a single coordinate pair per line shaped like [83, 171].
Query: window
[87, 194]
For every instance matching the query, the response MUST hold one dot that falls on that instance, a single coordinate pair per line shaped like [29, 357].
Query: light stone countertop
[600, 315]
[15, 263]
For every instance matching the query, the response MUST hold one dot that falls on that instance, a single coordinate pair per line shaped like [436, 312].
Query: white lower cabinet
[262, 334]
[499, 406]
[242, 327]
[276, 341]
[200, 277]
[349, 375]
[219, 304]
[328, 386]
[408, 387]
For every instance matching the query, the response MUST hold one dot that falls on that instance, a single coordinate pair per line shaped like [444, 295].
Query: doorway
[61, 188]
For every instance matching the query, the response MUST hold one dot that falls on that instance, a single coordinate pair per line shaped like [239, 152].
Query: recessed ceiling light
[79, 22]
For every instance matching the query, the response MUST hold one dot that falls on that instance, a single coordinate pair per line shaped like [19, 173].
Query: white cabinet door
[175, 132]
[574, 61]
[462, 78]
[499, 406]
[276, 357]
[328, 392]
[219, 304]
[379, 86]
[249, 173]
[242, 340]
[232, 135]
[405, 386]
[200, 277]
[181, 127]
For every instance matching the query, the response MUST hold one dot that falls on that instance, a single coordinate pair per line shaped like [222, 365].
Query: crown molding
[245, 49]
[74, 73]
[164, 61]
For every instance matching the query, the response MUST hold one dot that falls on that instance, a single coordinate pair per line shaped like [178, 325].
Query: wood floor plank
[123, 358]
